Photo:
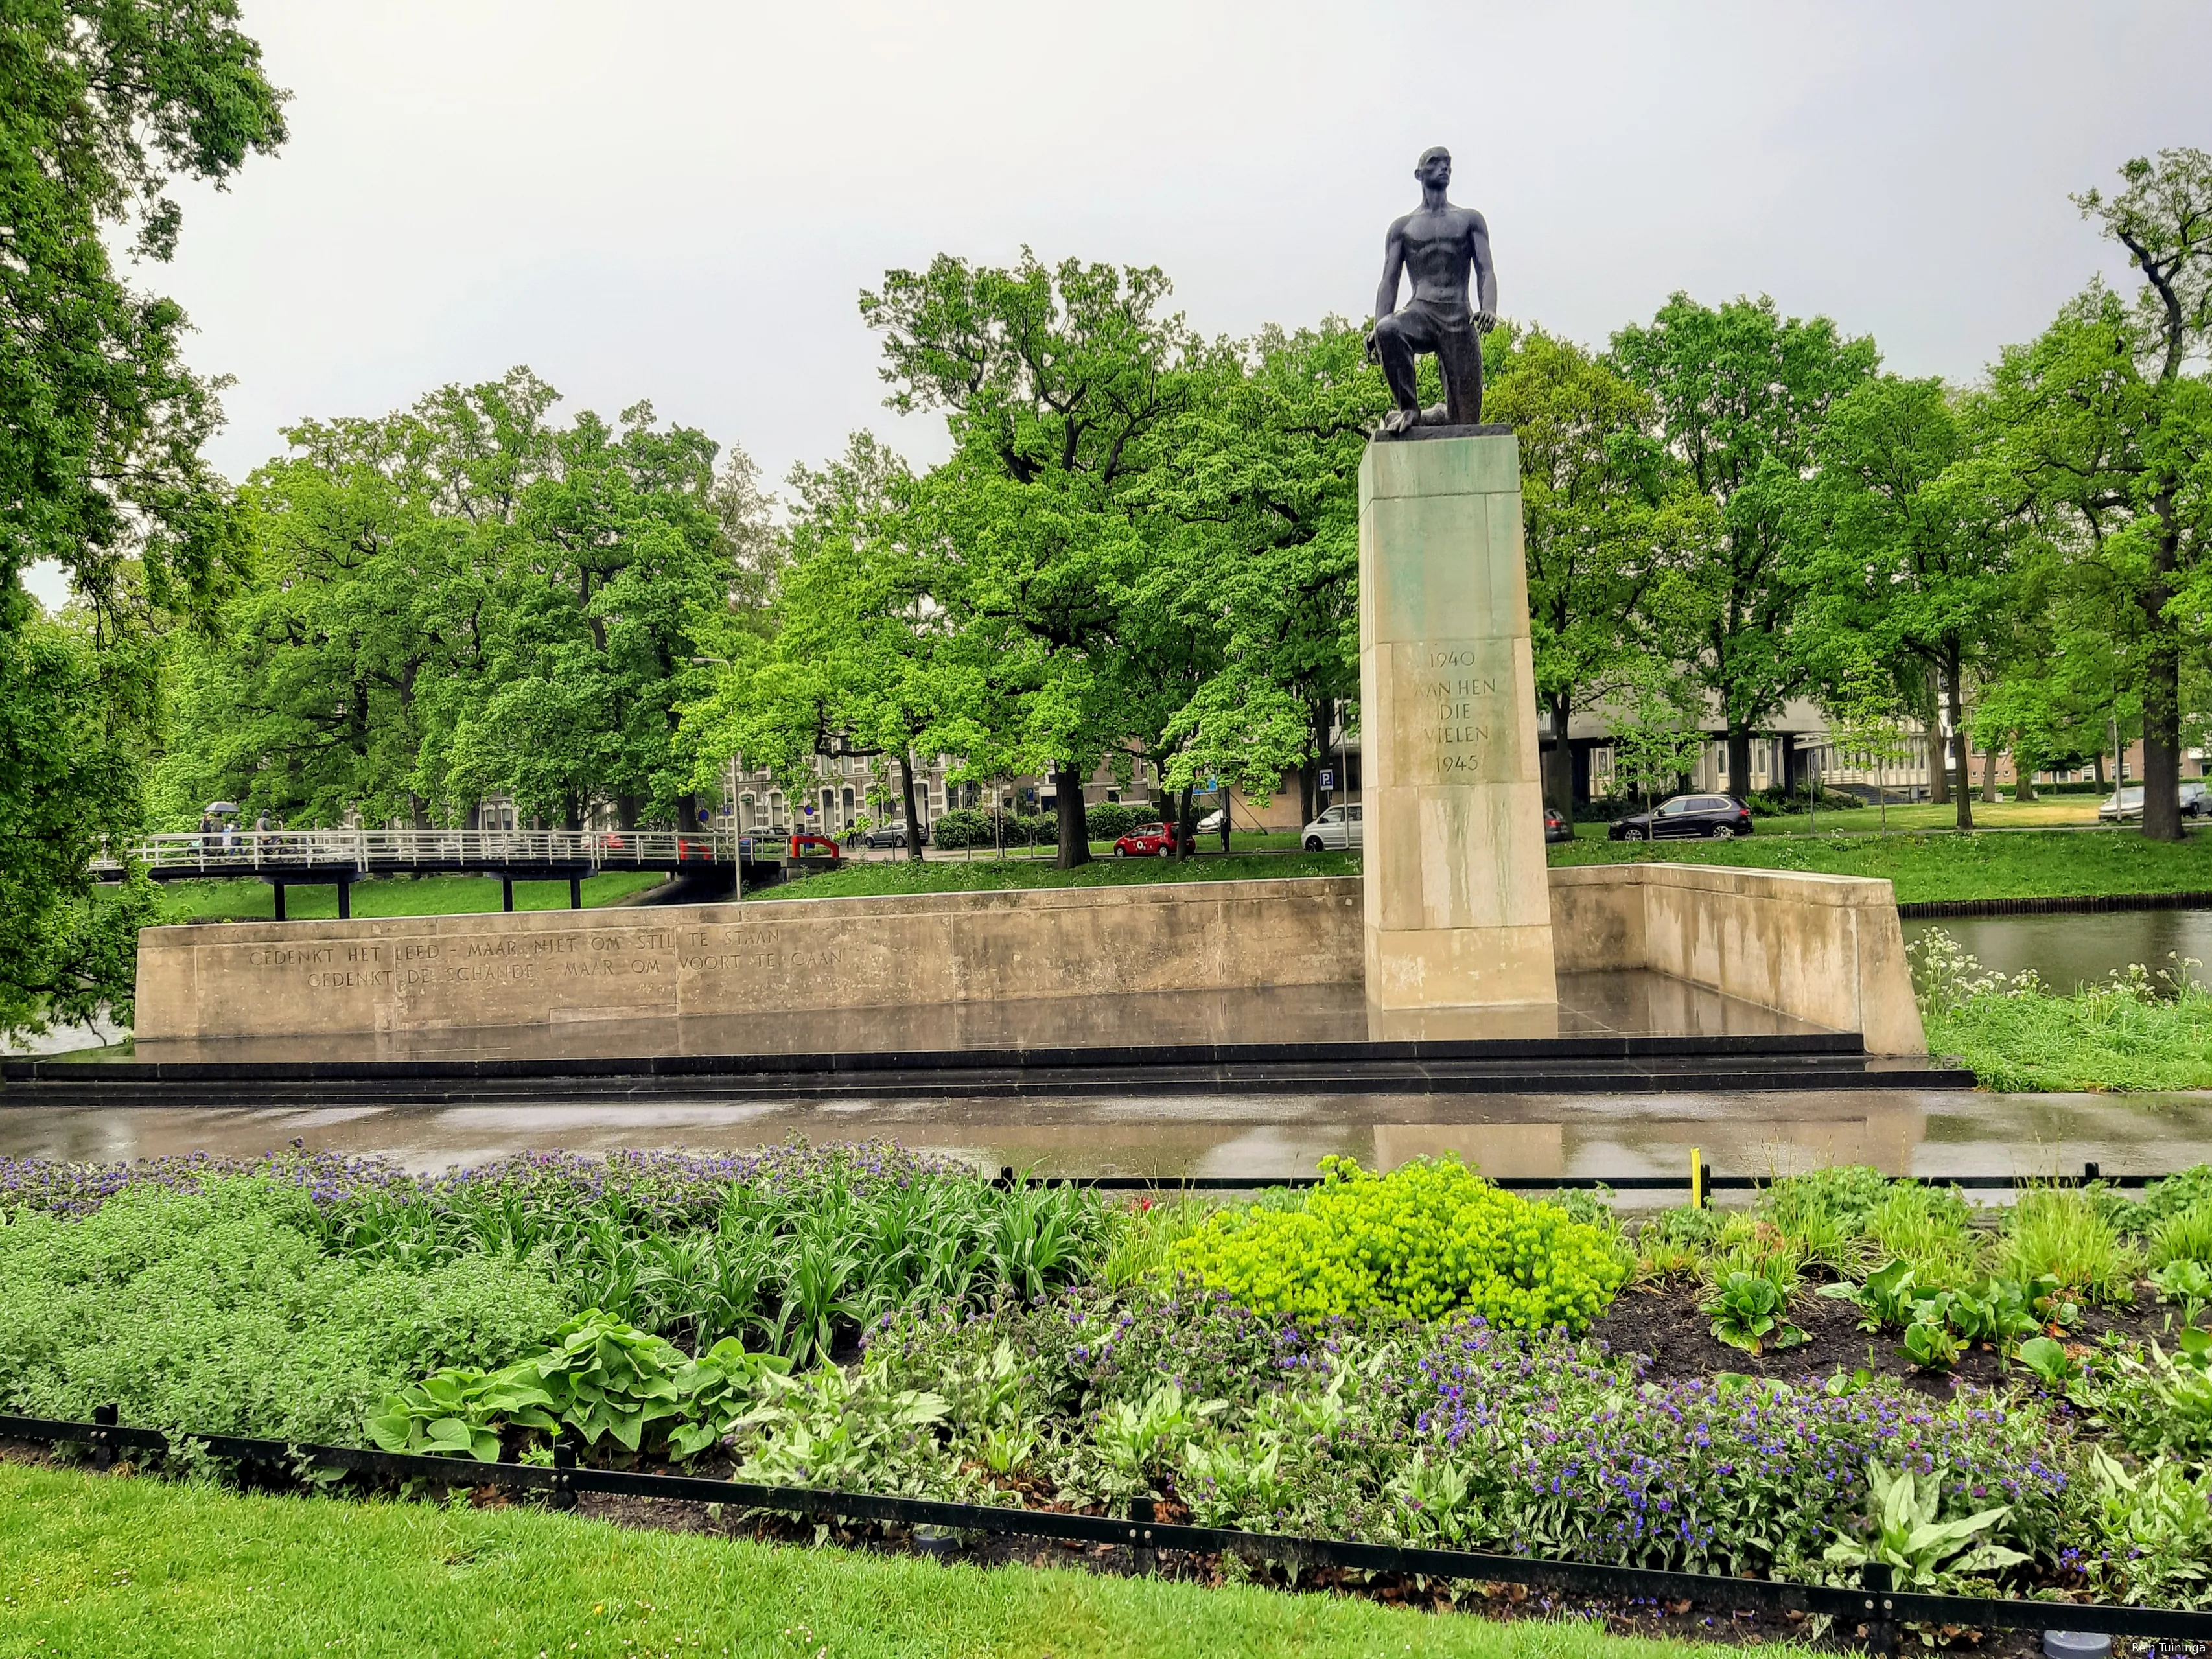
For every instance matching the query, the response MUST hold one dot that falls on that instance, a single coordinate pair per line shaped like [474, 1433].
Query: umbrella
[221, 807]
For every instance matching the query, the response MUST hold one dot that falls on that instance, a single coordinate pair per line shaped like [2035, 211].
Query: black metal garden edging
[1875, 1606]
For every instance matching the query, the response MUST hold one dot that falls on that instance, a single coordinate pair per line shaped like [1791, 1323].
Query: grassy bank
[92, 1564]
[1927, 867]
[2144, 1030]
[995, 874]
[253, 900]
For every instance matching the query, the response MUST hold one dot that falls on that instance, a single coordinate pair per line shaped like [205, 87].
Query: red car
[1147, 840]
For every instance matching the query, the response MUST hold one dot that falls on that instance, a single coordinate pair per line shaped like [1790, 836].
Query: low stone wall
[1826, 949]
[424, 973]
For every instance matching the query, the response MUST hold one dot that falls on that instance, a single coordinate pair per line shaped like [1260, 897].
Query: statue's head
[1434, 168]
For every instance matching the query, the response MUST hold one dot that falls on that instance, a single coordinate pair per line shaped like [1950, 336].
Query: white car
[1336, 829]
[2127, 802]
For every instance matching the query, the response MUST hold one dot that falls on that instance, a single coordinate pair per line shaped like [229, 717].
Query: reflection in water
[1900, 1131]
[2069, 951]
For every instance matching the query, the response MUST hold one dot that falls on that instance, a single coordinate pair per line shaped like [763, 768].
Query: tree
[308, 702]
[1655, 724]
[1740, 392]
[618, 555]
[1602, 524]
[1264, 562]
[2161, 437]
[1055, 384]
[1867, 715]
[865, 660]
[100, 428]
[460, 599]
[1906, 551]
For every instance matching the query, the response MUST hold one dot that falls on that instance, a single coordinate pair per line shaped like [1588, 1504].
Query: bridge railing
[244, 852]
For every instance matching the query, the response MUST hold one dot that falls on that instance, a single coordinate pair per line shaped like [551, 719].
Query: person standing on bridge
[261, 825]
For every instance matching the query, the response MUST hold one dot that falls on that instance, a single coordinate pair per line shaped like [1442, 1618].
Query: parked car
[1556, 826]
[2127, 802]
[1337, 828]
[1717, 815]
[1210, 824]
[1147, 840]
[885, 834]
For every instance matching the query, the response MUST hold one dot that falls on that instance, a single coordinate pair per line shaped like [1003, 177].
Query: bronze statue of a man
[1436, 242]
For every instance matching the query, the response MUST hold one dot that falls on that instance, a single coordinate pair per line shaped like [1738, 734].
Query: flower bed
[1420, 1357]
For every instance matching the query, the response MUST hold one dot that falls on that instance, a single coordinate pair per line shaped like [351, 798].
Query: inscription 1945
[1457, 710]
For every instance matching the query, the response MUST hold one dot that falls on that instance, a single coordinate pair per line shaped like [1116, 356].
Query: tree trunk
[1739, 762]
[1559, 762]
[1989, 777]
[1186, 822]
[2101, 769]
[1074, 839]
[1964, 781]
[913, 818]
[2161, 687]
[687, 813]
[626, 811]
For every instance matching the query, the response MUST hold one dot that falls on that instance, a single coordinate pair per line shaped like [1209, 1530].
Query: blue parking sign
[1328, 778]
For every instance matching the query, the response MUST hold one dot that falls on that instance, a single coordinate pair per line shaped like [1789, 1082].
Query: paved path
[1903, 1132]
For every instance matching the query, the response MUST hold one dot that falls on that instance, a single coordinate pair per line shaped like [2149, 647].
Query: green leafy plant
[1907, 1534]
[1930, 1345]
[1426, 1240]
[1750, 1315]
[2157, 1525]
[1139, 1441]
[2185, 1281]
[2049, 1360]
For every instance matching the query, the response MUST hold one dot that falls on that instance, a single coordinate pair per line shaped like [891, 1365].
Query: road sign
[1328, 778]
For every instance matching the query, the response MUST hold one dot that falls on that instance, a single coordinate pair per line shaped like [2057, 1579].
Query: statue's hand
[1485, 320]
[1370, 350]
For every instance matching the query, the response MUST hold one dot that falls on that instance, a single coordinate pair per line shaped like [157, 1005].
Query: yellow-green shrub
[1428, 1239]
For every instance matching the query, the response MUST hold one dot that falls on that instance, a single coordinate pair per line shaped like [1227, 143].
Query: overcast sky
[681, 201]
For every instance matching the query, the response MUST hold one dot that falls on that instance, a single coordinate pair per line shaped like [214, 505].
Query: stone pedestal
[1457, 900]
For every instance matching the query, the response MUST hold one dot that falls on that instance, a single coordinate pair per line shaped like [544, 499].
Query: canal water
[2071, 950]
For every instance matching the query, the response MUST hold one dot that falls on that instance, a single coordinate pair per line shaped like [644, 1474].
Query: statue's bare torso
[1439, 245]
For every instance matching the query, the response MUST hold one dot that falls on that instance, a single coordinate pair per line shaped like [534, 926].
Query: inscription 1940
[1458, 707]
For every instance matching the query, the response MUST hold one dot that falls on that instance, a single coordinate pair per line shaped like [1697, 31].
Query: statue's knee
[1390, 330]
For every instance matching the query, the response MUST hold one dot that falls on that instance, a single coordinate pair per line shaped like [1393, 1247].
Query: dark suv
[1717, 815]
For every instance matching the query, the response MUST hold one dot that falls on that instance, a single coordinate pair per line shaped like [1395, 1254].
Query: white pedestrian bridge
[345, 856]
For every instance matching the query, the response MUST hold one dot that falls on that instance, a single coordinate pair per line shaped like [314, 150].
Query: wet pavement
[1926, 1133]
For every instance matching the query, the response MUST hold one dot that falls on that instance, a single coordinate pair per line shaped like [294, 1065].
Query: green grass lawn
[1927, 867]
[253, 900]
[857, 880]
[94, 1564]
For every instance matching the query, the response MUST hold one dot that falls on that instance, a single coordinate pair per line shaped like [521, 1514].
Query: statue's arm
[1485, 274]
[1394, 266]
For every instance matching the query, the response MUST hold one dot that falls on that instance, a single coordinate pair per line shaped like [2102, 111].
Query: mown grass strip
[990, 874]
[100, 1564]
